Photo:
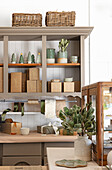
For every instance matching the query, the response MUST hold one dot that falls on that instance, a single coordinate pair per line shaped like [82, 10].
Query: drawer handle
[21, 164]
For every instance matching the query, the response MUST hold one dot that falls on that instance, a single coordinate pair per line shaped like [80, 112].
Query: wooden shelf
[63, 64]
[25, 96]
[24, 65]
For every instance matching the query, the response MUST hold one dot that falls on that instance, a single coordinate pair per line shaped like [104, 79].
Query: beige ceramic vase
[83, 148]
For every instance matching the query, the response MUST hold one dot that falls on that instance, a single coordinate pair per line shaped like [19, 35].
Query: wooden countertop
[34, 137]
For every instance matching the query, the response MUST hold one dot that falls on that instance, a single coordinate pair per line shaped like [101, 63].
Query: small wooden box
[39, 86]
[56, 87]
[12, 128]
[68, 87]
[16, 82]
[1, 79]
[33, 73]
[31, 86]
[77, 86]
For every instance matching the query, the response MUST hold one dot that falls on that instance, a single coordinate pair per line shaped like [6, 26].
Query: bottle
[21, 59]
[38, 59]
[29, 58]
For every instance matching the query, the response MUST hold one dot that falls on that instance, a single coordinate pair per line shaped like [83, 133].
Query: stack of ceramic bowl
[50, 55]
[62, 57]
[74, 59]
[68, 79]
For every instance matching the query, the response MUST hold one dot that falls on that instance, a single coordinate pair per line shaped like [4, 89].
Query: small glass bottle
[38, 59]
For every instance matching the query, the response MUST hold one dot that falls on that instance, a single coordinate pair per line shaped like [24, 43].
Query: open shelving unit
[44, 34]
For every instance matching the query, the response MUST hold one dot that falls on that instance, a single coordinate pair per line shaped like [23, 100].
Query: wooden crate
[23, 19]
[60, 18]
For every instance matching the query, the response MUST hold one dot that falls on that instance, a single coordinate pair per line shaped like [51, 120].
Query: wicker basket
[31, 20]
[60, 18]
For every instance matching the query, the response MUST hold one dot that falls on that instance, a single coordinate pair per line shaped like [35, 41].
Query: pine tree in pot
[83, 121]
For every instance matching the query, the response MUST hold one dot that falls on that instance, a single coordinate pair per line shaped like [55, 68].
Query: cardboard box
[68, 87]
[56, 87]
[77, 86]
[12, 128]
[31, 86]
[49, 86]
[33, 73]
[60, 104]
[24, 82]
[39, 86]
[16, 82]
[1, 80]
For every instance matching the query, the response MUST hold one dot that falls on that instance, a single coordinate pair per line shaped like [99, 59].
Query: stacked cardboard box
[16, 82]
[34, 84]
[1, 79]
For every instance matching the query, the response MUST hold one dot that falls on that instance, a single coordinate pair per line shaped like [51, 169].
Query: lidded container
[74, 59]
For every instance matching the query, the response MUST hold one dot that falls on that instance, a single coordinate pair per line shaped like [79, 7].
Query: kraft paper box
[16, 82]
[1, 79]
[56, 87]
[24, 81]
[33, 73]
[60, 104]
[11, 128]
[39, 86]
[68, 87]
[77, 86]
[31, 86]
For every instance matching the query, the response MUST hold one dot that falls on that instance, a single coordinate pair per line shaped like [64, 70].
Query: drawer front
[57, 144]
[21, 161]
[22, 149]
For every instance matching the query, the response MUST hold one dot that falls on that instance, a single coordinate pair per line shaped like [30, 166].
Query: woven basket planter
[31, 20]
[60, 18]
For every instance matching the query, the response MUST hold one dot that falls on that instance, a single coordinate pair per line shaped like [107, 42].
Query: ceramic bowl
[69, 79]
[25, 131]
[62, 60]
[50, 60]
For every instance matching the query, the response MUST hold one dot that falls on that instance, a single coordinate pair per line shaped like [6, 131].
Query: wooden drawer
[22, 149]
[21, 161]
[57, 144]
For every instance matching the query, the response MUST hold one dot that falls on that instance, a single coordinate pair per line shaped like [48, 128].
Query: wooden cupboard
[100, 94]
